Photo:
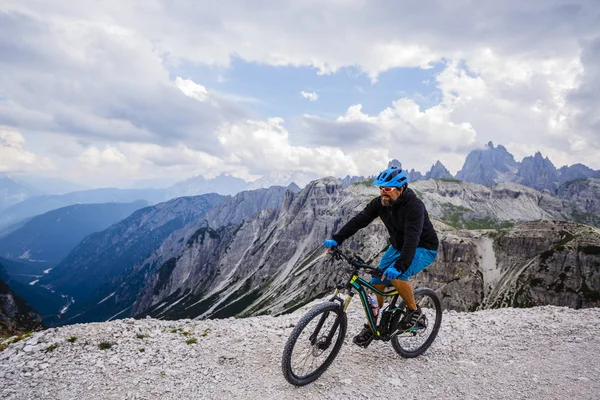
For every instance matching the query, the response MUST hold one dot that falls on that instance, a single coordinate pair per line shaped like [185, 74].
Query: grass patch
[367, 182]
[72, 339]
[141, 336]
[191, 341]
[51, 348]
[205, 332]
[142, 350]
[106, 345]
[21, 336]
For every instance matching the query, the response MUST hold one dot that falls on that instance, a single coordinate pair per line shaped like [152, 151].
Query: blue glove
[391, 273]
[329, 243]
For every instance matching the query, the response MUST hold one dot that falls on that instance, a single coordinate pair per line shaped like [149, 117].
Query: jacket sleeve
[413, 226]
[362, 219]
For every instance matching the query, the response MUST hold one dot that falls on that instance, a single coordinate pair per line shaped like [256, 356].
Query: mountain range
[487, 166]
[49, 237]
[260, 251]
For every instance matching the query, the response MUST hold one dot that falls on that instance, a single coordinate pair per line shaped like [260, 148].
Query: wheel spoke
[415, 341]
[305, 356]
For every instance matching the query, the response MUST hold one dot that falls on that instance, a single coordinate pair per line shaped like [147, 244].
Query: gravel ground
[537, 353]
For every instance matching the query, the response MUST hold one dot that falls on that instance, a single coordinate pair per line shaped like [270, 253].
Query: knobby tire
[316, 312]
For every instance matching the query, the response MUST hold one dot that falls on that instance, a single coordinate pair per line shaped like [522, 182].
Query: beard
[387, 201]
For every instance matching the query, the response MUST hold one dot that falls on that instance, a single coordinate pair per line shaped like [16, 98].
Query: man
[413, 239]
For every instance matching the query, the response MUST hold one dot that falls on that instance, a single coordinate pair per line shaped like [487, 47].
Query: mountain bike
[317, 338]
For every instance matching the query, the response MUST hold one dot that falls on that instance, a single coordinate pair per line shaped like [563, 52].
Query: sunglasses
[387, 189]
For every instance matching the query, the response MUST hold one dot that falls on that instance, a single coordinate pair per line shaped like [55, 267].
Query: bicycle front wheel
[417, 340]
[314, 343]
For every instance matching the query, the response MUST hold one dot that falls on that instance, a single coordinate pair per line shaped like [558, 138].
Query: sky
[116, 92]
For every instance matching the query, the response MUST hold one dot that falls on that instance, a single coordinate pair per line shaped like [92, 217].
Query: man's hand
[391, 273]
[329, 243]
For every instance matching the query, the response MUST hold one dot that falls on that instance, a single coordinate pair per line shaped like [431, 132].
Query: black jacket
[406, 220]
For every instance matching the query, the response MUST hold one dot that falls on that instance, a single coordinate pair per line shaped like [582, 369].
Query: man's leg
[391, 255]
[380, 287]
[405, 290]
[423, 258]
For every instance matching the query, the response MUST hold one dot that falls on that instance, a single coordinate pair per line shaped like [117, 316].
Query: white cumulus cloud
[312, 96]
[14, 156]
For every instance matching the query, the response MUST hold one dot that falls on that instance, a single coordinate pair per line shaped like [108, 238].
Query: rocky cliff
[15, 314]
[533, 263]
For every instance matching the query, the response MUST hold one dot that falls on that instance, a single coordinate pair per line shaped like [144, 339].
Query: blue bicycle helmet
[392, 177]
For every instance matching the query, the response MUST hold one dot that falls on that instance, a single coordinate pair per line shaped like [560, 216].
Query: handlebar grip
[376, 273]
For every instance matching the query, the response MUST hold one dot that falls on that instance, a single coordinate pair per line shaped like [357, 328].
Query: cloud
[14, 156]
[524, 74]
[192, 89]
[312, 96]
[98, 158]
[107, 82]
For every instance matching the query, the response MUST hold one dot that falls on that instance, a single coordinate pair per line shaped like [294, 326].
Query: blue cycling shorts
[423, 258]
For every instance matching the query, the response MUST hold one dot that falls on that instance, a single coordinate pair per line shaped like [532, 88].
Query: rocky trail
[536, 353]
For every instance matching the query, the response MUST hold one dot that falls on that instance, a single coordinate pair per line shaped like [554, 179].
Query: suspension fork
[344, 304]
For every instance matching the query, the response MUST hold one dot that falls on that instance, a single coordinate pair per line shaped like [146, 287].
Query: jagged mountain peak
[437, 171]
[488, 165]
[538, 172]
[394, 163]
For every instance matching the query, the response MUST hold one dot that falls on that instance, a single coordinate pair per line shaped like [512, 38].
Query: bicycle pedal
[364, 344]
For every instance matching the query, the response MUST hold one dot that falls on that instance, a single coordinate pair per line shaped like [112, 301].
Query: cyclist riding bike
[413, 239]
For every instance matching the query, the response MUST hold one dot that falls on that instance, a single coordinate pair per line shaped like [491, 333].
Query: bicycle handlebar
[356, 262]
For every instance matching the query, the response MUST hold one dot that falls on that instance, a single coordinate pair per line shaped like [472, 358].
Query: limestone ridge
[253, 270]
[274, 262]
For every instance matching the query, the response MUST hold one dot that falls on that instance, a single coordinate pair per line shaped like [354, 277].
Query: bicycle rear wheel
[417, 340]
[314, 343]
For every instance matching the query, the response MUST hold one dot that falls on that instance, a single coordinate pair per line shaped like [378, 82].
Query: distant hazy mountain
[12, 191]
[51, 236]
[415, 175]
[576, 171]
[40, 204]
[489, 166]
[48, 185]
[438, 171]
[282, 179]
[222, 184]
[495, 164]
[538, 172]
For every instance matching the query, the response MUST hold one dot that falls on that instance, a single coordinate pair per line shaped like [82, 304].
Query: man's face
[389, 195]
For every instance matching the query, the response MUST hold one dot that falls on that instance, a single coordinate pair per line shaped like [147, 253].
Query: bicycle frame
[356, 284]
